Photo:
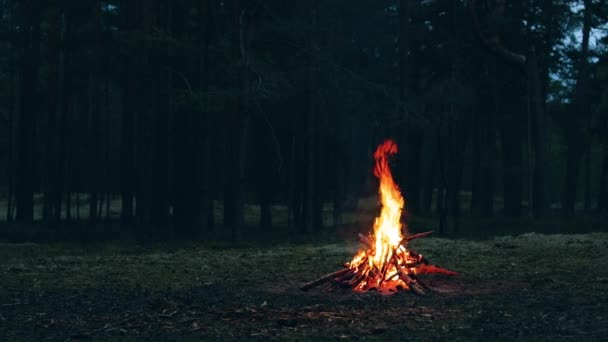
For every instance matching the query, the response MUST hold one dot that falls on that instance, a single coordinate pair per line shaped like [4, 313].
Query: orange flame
[385, 263]
[382, 263]
[387, 227]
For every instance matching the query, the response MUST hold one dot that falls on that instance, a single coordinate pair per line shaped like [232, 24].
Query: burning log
[384, 263]
[411, 283]
[324, 279]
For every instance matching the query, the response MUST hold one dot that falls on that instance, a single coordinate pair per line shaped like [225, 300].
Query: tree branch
[493, 43]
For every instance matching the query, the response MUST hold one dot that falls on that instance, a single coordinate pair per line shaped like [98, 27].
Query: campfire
[384, 262]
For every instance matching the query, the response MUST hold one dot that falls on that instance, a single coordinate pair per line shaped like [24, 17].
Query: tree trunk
[11, 122]
[192, 195]
[205, 200]
[63, 146]
[454, 148]
[235, 128]
[265, 211]
[127, 155]
[512, 170]
[575, 132]
[161, 17]
[573, 162]
[54, 37]
[410, 181]
[588, 180]
[108, 142]
[291, 185]
[602, 201]
[443, 178]
[29, 66]
[95, 128]
[478, 159]
[432, 171]
[310, 188]
[484, 154]
[540, 204]
[129, 108]
[512, 142]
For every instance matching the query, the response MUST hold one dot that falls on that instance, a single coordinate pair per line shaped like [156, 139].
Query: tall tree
[28, 66]
[576, 136]
[511, 144]
[95, 97]
[311, 194]
[192, 193]
[236, 123]
[129, 112]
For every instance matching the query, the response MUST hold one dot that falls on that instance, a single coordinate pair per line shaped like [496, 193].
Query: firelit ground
[530, 287]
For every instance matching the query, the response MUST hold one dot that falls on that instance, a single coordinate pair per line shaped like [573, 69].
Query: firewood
[416, 236]
[365, 241]
[411, 283]
[324, 279]
[347, 276]
[357, 279]
[418, 281]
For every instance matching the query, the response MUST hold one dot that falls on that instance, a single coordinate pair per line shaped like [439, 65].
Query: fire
[384, 263]
[387, 227]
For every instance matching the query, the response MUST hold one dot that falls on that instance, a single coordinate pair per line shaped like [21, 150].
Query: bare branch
[493, 43]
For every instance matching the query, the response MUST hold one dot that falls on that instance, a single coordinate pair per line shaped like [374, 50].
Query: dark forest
[184, 166]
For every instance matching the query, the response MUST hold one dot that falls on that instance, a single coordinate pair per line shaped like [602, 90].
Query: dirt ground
[529, 287]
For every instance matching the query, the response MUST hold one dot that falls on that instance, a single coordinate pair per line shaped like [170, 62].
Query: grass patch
[531, 287]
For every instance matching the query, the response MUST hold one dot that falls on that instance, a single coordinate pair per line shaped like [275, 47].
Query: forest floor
[529, 287]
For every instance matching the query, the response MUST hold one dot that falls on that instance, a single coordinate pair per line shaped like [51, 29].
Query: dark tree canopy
[202, 119]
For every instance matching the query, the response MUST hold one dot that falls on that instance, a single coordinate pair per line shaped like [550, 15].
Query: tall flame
[387, 226]
[380, 263]
[384, 263]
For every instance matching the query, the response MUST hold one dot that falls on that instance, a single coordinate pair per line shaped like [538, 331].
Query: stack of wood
[399, 271]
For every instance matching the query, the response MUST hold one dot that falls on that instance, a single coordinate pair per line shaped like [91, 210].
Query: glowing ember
[384, 263]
